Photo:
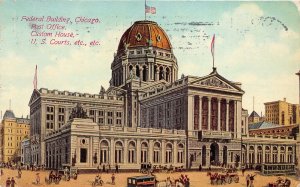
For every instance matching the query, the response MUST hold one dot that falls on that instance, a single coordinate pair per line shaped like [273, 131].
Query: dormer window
[138, 37]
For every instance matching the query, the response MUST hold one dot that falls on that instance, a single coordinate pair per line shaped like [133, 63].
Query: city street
[198, 179]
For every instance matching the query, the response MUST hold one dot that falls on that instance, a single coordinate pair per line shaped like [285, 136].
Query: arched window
[251, 155]
[268, 154]
[131, 152]
[118, 152]
[144, 153]
[167, 75]
[275, 154]
[282, 154]
[161, 73]
[155, 73]
[290, 155]
[169, 153]
[156, 154]
[104, 158]
[137, 71]
[180, 153]
[259, 154]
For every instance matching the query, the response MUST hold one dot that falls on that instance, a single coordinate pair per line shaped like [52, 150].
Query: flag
[212, 46]
[150, 10]
[35, 78]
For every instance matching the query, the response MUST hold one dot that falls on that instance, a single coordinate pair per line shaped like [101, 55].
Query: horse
[213, 178]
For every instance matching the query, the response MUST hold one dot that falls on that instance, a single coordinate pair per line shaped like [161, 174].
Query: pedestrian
[37, 179]
[103, 168]
[12, 182]
[98, 168]
[1, 172]
[252, 180]
[19, 173]
[117, 168]
[187, 183]
[108, 170]
[113, 179]
[243, 170]
[200, 167]
[248, 180]
[8, 182]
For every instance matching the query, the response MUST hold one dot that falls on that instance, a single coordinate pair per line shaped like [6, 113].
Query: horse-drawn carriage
[148, 168]
[220, 178]
[281, 183]
[63, 174]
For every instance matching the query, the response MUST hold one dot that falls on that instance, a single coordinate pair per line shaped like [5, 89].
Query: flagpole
[145, 10]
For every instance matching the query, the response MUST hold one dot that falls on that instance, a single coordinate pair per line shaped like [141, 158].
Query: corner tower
[145, 53]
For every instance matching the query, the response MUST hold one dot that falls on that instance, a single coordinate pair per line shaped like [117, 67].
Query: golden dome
[144, 34]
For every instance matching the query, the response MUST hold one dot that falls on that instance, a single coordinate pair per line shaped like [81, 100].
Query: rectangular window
[119, 122]
[83, 155]
[101, 113]
[110, 114]
[61, 110]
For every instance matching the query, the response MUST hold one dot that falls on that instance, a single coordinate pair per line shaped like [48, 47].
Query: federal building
[147, 115]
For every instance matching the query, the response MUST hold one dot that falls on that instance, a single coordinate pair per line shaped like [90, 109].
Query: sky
[257, 44]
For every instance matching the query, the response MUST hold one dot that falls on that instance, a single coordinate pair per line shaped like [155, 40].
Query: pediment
[216, 82]
[114, 91]
[154, 86]
[34, 96]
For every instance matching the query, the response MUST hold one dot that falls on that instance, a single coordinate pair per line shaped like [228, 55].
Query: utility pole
[299, 84]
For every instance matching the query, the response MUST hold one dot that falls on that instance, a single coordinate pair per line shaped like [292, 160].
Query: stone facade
[146, 115]
[25, 151]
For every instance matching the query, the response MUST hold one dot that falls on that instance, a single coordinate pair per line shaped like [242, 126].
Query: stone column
[235, 119]
[138, 151]
[90, 152]
[219, 114]
[150, 151]
[55, 117]
[148, 73]
[271, 154]
[175, 150]
[247, 153]
[163, 152]
[157, 74]
[209, 112]
[124, 74]
[255, 154]
[207, 156]
[227, 115]
[286, 154]
[112, 152]
[141, 73]
[200, 113]
[238, 121]
[190, 112]
[263, 159]
[125, 153]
